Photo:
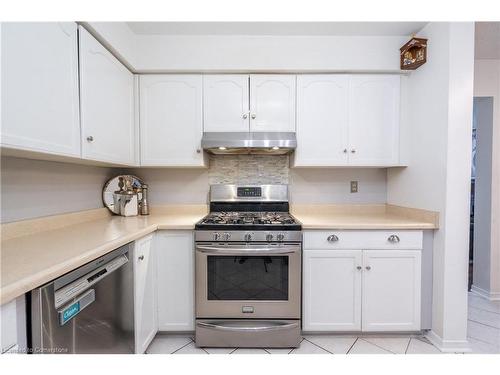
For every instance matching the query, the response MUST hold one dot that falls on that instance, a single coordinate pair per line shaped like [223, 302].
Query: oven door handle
[243, 250]
[221, 327]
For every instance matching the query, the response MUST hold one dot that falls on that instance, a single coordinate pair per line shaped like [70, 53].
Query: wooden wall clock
[413, 54]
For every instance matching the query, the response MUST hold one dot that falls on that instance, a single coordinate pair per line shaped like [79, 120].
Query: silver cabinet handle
[141, 257]
[332, 238]
[222, 327]
[245, 116]
[368, 268]
[254, 116]
[359, 268]
[90, 138]
[393, 238]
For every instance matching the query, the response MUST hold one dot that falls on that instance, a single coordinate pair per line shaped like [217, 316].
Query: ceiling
[487, 44]
[277, 28]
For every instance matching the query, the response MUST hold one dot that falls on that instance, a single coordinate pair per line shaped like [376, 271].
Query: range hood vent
[263, 143]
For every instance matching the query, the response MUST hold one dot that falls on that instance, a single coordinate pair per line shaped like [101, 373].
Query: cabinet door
[391, 290]
[322, 120]
[107, 104]
[39, 84]
[272, 103]
[225, 103]
[171, 124]
[374, 120]
[146, 321]
[175, 269]
[332, 290]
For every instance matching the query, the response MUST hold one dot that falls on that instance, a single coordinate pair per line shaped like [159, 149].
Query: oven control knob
[226, 236]
[216, 236]
[269, 237]
[280, 236]
[248, 237]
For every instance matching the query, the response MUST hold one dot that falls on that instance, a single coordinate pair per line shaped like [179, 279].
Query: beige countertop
[34, 252]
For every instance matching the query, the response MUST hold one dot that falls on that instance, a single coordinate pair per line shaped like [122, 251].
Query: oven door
[241, 280]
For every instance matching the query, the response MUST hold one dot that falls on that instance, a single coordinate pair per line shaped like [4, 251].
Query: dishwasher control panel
[72, 290]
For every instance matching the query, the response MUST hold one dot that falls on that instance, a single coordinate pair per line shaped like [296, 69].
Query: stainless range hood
[263, 143]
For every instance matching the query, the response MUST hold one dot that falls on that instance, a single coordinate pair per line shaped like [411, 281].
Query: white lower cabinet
[360, 290]
[13, 338]
[175, 266]
[145, 306]
[332, 290]
[391, 290]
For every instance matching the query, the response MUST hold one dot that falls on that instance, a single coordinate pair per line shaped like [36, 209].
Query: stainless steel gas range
[248, 269]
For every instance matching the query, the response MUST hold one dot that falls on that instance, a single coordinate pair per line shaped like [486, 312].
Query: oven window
[263, 278]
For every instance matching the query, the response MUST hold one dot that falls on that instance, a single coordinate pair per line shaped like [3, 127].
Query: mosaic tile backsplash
[248, 169]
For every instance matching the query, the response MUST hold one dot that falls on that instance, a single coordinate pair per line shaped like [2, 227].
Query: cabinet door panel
[272, 102]
[107, 104]
[171, 123]
[146, 321]
[332, 290]
[225, 103]
[322, 120]
[175, 267]
[374, 120]
[391, 290]
[40, 110]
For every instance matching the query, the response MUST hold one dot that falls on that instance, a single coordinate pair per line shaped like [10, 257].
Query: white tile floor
[483, 334]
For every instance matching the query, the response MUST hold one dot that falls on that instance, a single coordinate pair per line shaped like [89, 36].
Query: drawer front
[363, 240]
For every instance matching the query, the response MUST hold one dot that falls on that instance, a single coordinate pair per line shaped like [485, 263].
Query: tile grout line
[175, 351]
[317, 346]
[354, 343]
[408, 345]
[483, 324]
[484, 342]
[488, 311]
[378, 346]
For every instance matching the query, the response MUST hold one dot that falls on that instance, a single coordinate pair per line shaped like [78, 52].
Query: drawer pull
[332, 238]
[368, 268]
[393, 238]
[359, 268]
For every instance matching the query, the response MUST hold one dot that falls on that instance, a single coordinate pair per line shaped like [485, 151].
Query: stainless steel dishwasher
[89, 310]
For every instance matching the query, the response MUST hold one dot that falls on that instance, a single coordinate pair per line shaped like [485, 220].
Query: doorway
[480, 211]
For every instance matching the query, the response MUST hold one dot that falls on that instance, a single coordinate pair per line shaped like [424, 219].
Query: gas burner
[247, 219]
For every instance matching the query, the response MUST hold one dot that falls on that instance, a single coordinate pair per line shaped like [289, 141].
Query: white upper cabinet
[272, 103]
[226, 103]
[171, 122]
[347, 120]
[39, 83]
[322, 120]
[107, 105]
[391, 290]
[374, 120]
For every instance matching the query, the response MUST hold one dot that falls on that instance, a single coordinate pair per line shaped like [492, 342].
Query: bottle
[144, 200]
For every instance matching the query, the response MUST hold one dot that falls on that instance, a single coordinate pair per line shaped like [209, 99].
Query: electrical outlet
[354, 186]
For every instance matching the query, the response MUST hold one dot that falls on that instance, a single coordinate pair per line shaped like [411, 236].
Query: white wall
[168, 53]
[487, 84]
[31, 188]
[439, 123]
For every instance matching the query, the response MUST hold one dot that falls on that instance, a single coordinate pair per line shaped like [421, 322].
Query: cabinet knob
[141, 257]
[368, 268]
[90, 138]
[393, 238]
[359, 268]
[198, 151]
[353, 151]
[245, 116]
[332, 238]
[345, 150]
[254, 116]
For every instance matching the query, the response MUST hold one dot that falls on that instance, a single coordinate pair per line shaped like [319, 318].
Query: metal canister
[144, 201]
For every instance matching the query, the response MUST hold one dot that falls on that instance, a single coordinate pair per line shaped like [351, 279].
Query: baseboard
[448, 346]
[490, 296]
